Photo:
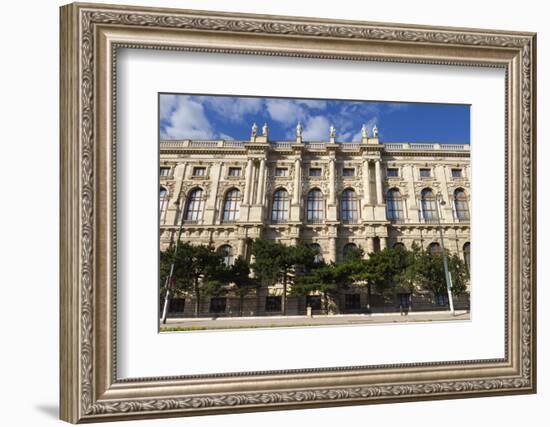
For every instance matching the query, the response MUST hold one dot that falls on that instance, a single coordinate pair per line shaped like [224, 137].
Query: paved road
[269, 322]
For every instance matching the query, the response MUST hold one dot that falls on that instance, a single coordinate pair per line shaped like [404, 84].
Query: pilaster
[210, 205]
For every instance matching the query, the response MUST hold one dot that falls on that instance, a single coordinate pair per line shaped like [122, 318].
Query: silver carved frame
[90, 36]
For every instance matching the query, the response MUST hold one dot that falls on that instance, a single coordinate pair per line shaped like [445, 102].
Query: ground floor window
[441, 299]
[177, 305]
[273, 303]
[218, 304]
[313, 301]
[404, 300]
[353, 301]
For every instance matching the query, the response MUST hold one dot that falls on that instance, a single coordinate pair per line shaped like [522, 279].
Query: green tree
[332, 279]
[242, 284]
[386, 268]
[430, 273]
[319, 278]
[276, 262]
[198, 269]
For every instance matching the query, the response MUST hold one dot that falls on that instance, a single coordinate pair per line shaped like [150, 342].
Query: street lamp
[448, 278]
[171, 274]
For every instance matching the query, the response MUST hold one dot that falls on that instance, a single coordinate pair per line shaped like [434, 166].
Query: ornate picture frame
[90, 37]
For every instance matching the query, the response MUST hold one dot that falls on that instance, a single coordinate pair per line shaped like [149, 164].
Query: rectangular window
[441, 299]
[199, 171]
[313, 301]
[217, 304]
[348, 172]
[164, 171]
[353, 302]
[392, 172]
[404, 300]
[281, 172]
[273, 304]
[314, 171]
[234, 171]
[177, 305]
[425, 173]
[456, 173]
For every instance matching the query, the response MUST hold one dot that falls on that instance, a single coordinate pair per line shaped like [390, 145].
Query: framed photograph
[267, 212]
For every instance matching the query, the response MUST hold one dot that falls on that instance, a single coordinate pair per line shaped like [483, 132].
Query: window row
[315, 205]
[392, 172]
[313, 171]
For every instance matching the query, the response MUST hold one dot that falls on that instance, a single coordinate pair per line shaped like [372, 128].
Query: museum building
[331, 195]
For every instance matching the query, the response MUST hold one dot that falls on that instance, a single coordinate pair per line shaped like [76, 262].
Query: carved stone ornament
[91, 389]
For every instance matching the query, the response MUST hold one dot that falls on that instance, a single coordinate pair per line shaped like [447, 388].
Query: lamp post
[448, 278]
[171, 274]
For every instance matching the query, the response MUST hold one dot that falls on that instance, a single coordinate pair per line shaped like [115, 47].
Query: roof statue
[299, 130]
[364, 131]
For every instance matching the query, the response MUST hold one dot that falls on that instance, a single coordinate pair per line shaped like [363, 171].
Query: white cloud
[187, 120]
[233, 108]
[285, 111]
[316, 128]
[167, 105]
[226, 136]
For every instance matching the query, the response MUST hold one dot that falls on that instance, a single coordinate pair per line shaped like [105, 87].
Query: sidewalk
[186, 324]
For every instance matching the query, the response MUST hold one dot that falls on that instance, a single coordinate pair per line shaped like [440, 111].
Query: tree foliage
[429, 273]
[276, 262]
[198, 269]
[238, 275]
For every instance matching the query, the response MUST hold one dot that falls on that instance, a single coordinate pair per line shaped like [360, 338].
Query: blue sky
[231, 117]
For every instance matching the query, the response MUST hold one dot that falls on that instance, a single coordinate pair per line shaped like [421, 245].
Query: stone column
[366, 182]
[177, 199]
[379, 198]
[242, 247]
[447, 211]
[248, 181]
[383, 243]
[260, 185]
[370, 246]
[210, 209]
[332, 179]
[412, 204]
[332, 249]
[297, 182]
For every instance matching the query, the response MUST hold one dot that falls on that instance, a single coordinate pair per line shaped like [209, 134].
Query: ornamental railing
[310, 145]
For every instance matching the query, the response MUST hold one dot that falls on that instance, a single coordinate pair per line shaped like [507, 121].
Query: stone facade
[332, 194]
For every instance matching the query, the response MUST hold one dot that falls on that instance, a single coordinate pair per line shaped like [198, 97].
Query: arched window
[348, 250]
[226, 251]
[279, 207]
[394, 205]
[163, 200]
[315, 206]
[429, 205]
[349, 206]
[461, 205]
[466, 253]
[434, 248]
[316, 248]
[231, 205]
[194, 207]
[399, 245]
